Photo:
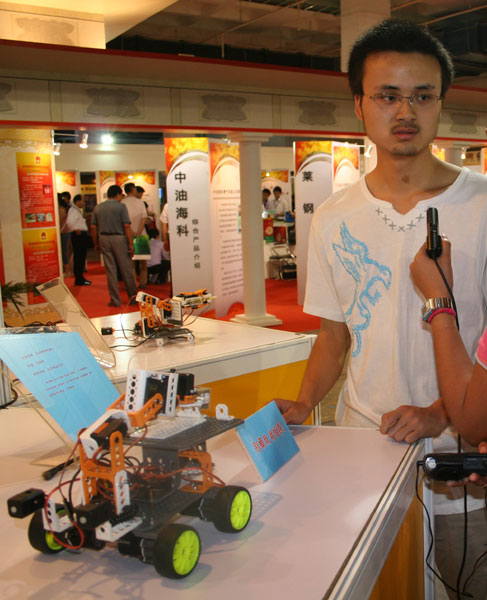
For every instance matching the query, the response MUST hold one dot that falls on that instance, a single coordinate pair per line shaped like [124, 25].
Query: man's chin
[405, 150]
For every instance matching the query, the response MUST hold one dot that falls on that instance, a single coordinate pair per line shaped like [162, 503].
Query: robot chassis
[133, 502]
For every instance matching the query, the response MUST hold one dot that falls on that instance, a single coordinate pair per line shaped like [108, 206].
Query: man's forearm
[325, 365]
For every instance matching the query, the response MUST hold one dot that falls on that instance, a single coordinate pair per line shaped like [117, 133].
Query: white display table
[244, 366]
[321, 527]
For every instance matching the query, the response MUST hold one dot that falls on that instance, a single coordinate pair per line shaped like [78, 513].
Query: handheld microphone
[433, 238]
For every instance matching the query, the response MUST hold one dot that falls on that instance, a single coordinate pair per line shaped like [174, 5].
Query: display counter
[322, 526]
[244, 366]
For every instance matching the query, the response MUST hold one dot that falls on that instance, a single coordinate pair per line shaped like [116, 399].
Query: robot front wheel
[176, 550]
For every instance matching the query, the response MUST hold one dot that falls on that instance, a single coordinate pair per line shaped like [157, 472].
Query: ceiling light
[131, 176]
[106, 139]
[464, 156]
[56, 149]
[267, 174]
[84, 141]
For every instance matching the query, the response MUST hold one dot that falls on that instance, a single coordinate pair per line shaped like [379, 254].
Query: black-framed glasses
[394, 100]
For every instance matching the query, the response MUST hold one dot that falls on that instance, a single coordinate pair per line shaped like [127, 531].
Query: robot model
[141, 464]
[163, 319]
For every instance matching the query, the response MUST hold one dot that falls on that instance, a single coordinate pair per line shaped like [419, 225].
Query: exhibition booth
[330, 512]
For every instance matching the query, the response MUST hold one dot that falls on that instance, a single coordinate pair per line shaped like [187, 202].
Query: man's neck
[406, 180]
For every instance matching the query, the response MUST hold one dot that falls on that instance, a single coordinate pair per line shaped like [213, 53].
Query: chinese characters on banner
[41, 257]
[312, 185]
[346, 164]
[226, 226]
[188, 193]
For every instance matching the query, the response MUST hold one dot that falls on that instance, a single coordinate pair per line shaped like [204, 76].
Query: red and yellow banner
[34, 173]
[345, 153]
[40, 257]
[281, 174]
[123, 177]
[305, 150]
[219, 153]
[64, 178]
[175, 148]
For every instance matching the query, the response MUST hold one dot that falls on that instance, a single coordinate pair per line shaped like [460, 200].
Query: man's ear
[357, 99]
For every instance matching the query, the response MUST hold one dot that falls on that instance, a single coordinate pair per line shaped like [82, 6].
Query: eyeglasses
[393, 100]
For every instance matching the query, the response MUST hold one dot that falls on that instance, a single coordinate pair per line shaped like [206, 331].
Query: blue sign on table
[268, 440]
[61, 373]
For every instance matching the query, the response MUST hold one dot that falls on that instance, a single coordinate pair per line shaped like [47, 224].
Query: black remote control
[452, 467]
[433, 238]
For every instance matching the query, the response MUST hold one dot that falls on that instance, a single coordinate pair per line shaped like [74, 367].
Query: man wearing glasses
[361, 243]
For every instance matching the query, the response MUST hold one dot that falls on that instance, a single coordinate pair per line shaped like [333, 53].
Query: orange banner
[40, 257]
[65, 178]
[345, 153]
[218, 154]
[281, 174]
[175, 148]
[304, 150]
[34, 173]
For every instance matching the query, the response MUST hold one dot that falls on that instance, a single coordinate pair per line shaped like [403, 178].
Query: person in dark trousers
[112, 236]
[79, 239]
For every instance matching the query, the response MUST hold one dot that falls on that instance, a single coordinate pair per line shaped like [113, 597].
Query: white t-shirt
[279, 207]
[359, 253]
[137, 213]
[164, 215]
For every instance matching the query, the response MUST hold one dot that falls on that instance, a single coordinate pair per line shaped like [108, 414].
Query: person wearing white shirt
[76, 224]
[279, 205]
[138, 216]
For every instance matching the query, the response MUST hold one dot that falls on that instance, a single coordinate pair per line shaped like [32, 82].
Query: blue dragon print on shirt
[369, 277]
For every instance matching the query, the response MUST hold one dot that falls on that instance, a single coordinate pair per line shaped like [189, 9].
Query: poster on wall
[188, 201]
[346, 164]
[39, 234]
[280, 178]
[40, 257]
[106, 179]
[226, 226]
[312, 185]
[67, 181]
[34, 172]
[2, 268]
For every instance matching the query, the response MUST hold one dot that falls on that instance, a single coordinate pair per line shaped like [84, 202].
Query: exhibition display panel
[322, 526]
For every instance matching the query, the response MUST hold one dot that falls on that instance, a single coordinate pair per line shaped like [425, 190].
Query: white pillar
[252, 234]
[355, 17]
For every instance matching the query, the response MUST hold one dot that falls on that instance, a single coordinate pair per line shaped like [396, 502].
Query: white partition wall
[312, 185]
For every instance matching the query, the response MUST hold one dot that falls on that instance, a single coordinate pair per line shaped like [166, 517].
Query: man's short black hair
[394, 35]
[139, 189]
[113, 191]
[277, 189]
[77, 198]
[266, 191]
[129, 187]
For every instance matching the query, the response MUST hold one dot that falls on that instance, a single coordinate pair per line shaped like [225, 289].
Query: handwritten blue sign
[61, 373]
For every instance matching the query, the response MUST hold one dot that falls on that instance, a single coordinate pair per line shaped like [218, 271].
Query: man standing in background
[112, 237]
[79, 238]
[137, 215]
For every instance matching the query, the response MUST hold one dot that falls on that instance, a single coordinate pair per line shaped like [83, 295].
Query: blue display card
[61, 373]
[268, 440]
